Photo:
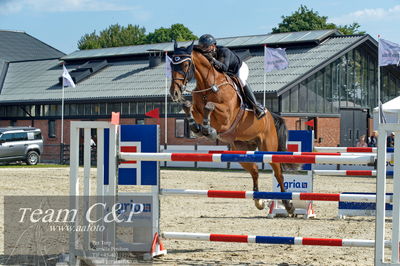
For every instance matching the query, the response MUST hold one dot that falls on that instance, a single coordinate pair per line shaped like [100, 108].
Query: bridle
[188, 75]
[177, 60]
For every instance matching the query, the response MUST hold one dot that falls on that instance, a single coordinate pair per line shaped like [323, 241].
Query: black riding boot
[257, 107]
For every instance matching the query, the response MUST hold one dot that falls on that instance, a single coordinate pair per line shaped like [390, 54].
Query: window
[66, 109]
[149, 106]
[88, 109]
[179, 128]
[140, 108]
[37, 135]
[103, 108]
[328, 89]
[115, 107]
[125, 108]
[175, 108]
[286, 102]
[132, 108]
[95, 109]
[38, 110]
[312, 94]
[11, 110]
[14, 137]
[319, 91]
[73, 109]
[302, 98]
[6, 137]
[275, 105]
[294, 99]
[20, 136]
[52, 128]
[81, 109]
[54, 110]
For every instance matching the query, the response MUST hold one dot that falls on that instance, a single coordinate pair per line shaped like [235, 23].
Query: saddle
[230, 135]
[244, 104]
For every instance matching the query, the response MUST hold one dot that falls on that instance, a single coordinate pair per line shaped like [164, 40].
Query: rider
[227, 61]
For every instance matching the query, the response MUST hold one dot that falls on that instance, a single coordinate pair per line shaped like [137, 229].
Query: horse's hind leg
[279, 177]
[252, 169]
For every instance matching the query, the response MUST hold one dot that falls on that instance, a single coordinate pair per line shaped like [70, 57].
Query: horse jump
[379, 243]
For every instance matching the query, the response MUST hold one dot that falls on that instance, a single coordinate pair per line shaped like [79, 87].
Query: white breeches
[243, 73]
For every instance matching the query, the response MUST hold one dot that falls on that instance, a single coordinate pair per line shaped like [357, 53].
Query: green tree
[176, 32]
[89, 41]
[116, 36]
[350, 29]
[307, 19]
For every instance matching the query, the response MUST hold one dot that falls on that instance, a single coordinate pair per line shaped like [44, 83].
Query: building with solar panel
[331, 79]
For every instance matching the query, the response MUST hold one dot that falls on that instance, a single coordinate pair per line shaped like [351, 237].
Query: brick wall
[328, 129]
[328, 132]
[291, 122]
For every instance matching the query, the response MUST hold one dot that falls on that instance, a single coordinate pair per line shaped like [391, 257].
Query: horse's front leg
[193, 126]
[206, 128]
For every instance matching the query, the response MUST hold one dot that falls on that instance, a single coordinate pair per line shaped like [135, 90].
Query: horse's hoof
[260, 204]
[195, 128]
[289, 207]
[209, 132]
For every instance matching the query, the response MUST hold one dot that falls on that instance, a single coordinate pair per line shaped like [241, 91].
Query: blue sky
[61, 23]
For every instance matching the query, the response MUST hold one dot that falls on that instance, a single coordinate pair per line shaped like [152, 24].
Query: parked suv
[21, 144]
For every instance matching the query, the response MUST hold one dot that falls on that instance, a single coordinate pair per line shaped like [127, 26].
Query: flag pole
[166, 106]
[379, 87]
[62, 111]
[264, 74]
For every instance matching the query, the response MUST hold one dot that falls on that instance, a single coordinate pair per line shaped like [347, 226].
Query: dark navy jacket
[227, 61]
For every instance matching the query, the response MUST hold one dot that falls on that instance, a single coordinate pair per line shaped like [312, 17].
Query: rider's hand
[208, 56]
[217, 64]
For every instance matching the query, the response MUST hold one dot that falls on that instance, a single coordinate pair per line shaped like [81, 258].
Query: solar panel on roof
[252, 40]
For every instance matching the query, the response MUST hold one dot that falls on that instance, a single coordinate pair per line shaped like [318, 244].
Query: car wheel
[32, 158]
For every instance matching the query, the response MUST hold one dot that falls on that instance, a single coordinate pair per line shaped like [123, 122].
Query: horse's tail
[281, 131]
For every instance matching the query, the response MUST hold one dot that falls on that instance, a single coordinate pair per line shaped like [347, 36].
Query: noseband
[177, 61]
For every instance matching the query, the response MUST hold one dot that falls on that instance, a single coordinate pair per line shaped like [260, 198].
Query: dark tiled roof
[19, 46]
[253, 40]
[38, 80]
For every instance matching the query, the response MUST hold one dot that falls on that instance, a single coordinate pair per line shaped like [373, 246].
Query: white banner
[68, 82]
[168, 71]
[389, 53]
[275, 58]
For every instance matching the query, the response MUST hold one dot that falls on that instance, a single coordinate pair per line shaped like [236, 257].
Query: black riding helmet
[206, 40]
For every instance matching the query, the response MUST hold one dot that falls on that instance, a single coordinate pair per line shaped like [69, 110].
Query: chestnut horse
[216, 113]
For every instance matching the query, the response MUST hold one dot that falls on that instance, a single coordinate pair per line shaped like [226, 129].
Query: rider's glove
[217, 64]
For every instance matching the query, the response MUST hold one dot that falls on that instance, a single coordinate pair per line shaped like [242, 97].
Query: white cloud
[368, 15]
[15, 6]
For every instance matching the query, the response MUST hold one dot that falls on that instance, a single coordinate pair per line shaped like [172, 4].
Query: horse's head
[182, 71]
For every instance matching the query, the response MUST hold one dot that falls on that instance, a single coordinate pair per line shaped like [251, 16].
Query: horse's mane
[197, 49]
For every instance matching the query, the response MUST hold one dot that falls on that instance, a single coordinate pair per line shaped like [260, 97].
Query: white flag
[68, 82]
[389, 53]
[275, 59]
[168, 71]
